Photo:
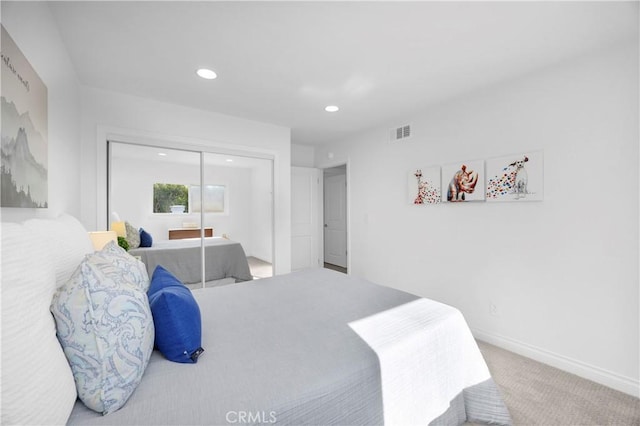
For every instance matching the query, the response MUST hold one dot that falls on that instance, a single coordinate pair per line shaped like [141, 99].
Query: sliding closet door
[238, 208]
[157, 190]
[215, 211]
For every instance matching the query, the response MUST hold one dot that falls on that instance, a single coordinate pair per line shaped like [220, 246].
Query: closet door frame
[106, 134]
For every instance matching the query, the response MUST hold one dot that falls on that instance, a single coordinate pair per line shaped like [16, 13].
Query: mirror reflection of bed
[158, 191]
[259, 268]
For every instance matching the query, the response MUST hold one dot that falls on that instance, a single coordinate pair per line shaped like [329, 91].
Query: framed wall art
[516, 178]
[424, 186]
[24, 131]
[463, 181]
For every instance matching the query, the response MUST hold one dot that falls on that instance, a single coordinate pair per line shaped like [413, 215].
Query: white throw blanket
[427, 357]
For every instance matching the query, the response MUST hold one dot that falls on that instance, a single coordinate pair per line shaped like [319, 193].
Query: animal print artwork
[425, 188]
[464, 181]
[512, 180]
[515, 178]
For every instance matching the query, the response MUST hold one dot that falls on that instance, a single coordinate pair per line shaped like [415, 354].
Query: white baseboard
[607, 378]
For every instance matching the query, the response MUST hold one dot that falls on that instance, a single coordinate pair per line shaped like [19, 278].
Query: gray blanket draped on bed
[223, 259]
[280, 350]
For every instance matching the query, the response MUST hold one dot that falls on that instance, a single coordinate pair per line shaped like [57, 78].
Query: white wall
[105, 114]
[31, 26]
[563, 273]
[132, 189]
[302, 155]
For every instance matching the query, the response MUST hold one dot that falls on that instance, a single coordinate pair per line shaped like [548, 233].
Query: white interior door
[304, 218]
[335, 220]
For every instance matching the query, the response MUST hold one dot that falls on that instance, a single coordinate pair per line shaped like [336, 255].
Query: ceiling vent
[400, 133]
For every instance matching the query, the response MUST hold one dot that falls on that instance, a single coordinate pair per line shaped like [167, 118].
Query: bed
[285, 349]
[225, 260]
[313, 347]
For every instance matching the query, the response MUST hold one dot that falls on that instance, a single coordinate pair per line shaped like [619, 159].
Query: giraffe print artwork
[424, 188]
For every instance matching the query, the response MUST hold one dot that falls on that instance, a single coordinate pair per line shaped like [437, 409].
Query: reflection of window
[214, 198]
[166, 195]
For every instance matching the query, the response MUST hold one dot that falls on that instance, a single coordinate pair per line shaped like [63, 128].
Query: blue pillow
[176, 317]
[145, 238]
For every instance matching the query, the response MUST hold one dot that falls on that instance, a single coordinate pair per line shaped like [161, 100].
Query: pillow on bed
[145, 238]
[115, 257]
[132, 236]
[66, 239]
[176, 317]
[105, 327]
[37, 383]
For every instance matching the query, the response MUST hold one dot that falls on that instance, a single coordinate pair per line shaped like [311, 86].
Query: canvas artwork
[424, 186]
[24, 134]
[463, 181]
[517, 177]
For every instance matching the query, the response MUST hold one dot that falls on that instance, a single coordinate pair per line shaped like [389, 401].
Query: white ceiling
[283, 62]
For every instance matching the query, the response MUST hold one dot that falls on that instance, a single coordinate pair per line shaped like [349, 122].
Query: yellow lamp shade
[102, 238]
[119, 228]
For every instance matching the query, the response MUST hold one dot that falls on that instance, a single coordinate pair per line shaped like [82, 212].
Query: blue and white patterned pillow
[105, 326]
[114, 258]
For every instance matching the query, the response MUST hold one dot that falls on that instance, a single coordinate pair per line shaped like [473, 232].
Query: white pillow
[37, 383]
[66, 239]
[105, 327]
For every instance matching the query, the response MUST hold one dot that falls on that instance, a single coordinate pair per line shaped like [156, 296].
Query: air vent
[400, 133]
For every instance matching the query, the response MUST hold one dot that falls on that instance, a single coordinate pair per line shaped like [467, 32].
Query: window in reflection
[157, 191]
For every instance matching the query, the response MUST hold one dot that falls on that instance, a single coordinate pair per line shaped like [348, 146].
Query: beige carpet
[537, 394]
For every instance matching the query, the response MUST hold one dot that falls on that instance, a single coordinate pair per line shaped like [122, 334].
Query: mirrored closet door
[205, 217]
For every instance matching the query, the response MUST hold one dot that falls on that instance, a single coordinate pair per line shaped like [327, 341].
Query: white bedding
[409, 340]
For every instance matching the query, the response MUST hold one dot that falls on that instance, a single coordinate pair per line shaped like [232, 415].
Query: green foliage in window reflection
[166, 195]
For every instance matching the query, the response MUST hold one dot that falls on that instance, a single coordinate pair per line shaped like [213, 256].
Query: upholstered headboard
[38, 256]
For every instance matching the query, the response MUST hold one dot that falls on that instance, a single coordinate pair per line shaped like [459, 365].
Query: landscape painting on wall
[24, 131]
[424, 186]
[463, 181]
[517, 177]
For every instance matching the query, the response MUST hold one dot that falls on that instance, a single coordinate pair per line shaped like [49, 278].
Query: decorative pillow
[145, 238]
[133, 237]
[114, 257]
[105, 328]
[176, 316]
[37, 383]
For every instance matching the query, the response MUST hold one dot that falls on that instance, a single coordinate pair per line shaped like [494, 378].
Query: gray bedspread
[280, 350]
[223, 259]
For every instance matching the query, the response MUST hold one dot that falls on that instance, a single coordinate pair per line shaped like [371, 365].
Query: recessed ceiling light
[162, 154]
[229, 160]
[206, 73]
[331, 108]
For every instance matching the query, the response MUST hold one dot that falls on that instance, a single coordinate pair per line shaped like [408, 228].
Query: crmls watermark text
[246, 417]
